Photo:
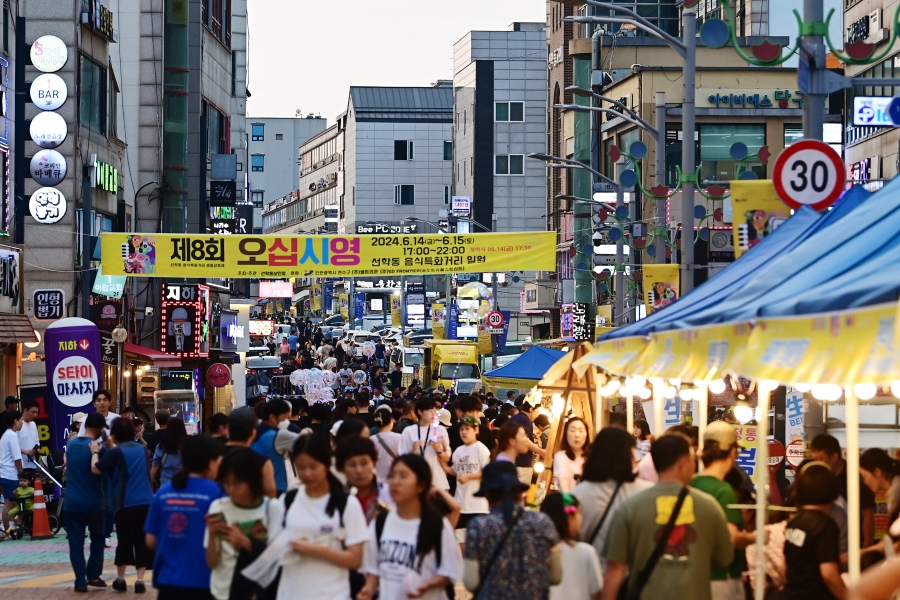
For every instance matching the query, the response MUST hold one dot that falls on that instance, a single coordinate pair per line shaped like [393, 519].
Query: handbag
[490, 563]
[596, 532]
[644, 576]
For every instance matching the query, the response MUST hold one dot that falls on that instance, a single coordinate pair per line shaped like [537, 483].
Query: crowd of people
[421, 493]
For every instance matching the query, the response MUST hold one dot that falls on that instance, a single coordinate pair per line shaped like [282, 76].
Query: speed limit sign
[809, 173]
[495, 319]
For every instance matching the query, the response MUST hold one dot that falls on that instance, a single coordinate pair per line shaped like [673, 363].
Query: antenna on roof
[298, 112]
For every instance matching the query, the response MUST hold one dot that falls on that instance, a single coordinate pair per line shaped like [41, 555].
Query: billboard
[260, 256]
[262, 327]
[276, 289]
[185, 320]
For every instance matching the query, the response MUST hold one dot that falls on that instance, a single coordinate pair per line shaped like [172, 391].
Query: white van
[407, 358]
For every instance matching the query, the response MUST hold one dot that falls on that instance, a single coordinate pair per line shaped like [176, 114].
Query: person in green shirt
[720, 450]
[698, 542]
[23, 491]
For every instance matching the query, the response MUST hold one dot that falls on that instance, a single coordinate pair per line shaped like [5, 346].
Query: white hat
[336, 427]
[79, 417]
[444, 417]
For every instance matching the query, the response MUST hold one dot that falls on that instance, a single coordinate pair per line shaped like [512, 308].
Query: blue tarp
[531, 364]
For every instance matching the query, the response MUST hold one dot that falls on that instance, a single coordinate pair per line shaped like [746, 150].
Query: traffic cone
[40, 522]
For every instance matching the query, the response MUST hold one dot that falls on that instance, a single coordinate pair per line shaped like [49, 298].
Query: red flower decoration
[859, 50]
[718, 214]
[640, 242]
[690, 3]
[659, 191]
[615, 154]
[572, 251]
[716, 191]
[638, 275]
[767, 51]
[764, 155]
[603, 214]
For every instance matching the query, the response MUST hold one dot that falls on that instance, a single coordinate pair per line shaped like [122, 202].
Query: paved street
[40, 570]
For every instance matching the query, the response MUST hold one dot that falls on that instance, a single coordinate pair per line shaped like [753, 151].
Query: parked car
[334, 321]
[270, 365]
[417, 339]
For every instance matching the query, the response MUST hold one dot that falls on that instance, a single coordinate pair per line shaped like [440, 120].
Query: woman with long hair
[387, 443]
[569, 461]
[643, 437]
[511, 442]
[429, 559]
[167, 458]
[326, 526]
[607, 480]
[881, 474]
[428, 440]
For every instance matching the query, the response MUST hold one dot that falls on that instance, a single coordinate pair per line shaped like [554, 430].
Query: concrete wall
[282, 174]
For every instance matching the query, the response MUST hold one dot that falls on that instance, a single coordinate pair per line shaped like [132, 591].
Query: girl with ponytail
[412, 551]
[326, 527]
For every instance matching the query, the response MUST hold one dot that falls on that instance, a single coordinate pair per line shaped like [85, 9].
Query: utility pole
[620, 249]
[812, 52]
[495, 339]
[660, 125]
[688, 149]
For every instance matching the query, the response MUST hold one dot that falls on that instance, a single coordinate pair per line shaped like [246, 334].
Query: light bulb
[37, 334]
[687, 394]
[612, 386]
[743, 412]
[895, 388]
[127, 373]
[757, 414]
[138, 372]
[768, 384]
[865, 391]
[644, 393]
[670, 392]
[835, 392]
[675, 382]
[639, 380]
[655, 380]
[717, 386]
[802, 387]
[539, 468]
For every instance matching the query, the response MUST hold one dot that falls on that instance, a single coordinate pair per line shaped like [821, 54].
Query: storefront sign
[49, 305]
[858, 30]
[222, 226]
[461, 206]
[243, 219]
[185, 321]
[101, 20]
[276, 289]
[48, 129]
[109, 350]
[582, 325]
[48, 167]
[49, 54]
[72, 348]
[169, 255]
[719, 98]
[222, 193]
[49, 91]
[109, 285]
[9, 279]
[218, 375]
[105, 177]
[385, 228]
[47, 205]
[795, 406]
[264, 328]
[105, 312]
[229, 330]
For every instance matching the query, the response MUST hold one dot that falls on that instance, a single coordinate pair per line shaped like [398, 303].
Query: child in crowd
[581, 576]
[238, 525]
[469, 460]
[26, 491]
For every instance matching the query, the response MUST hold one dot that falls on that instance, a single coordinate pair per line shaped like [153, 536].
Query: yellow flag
[661, 286]
[757, 212]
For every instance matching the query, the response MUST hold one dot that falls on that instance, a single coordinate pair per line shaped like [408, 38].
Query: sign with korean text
[109, 285]
[258, 327]
[264, 256]
[747, 458]
[73, 349]
[49, 91]
[105, 312]
[101, 20]
[49, 54]
[185, 320]
[719, 98]
[276, 289]
[48, 167]
[49, 305]
[582, 325]
[218, 375]
[47, 205]
[109, 350]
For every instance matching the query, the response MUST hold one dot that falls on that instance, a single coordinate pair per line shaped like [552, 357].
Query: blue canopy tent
[525, 371]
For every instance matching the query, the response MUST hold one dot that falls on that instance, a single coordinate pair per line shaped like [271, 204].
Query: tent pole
[629, 408]
[762, 487]
[851, 404]
[702, 409]
[658, 399]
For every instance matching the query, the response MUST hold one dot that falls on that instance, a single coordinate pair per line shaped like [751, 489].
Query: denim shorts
[8, 485]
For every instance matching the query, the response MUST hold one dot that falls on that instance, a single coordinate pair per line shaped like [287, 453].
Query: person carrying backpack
[411, 551]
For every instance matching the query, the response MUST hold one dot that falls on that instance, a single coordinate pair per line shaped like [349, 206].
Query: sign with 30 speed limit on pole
[809, 173]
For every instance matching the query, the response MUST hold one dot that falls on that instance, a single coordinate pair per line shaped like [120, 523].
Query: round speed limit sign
[809, 173]
[495, 319]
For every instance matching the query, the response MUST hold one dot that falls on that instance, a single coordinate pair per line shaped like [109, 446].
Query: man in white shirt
[102, 402]
[28, 435]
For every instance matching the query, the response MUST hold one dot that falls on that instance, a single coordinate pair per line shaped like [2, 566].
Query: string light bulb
[865, 391]
[717, 386]
[743, 412]
[895, 388]
[802, 387]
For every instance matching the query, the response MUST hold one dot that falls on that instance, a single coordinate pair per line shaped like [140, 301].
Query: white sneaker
[108, 543]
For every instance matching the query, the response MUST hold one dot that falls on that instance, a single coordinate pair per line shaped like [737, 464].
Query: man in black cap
[11, 406]
[84, 504]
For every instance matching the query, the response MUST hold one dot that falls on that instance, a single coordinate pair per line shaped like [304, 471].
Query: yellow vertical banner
[757, 212]
[396, 313]
[315, 297]
[344, 301]
[661, 286]
[438, 313]
[485, 339]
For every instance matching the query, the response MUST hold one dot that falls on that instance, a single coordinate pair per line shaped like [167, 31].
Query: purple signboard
[72, 347]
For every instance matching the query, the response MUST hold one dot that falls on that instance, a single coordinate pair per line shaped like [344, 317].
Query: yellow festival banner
[614, 356]
[698, 354]
[661, 286]
[344, 301]
[842, 348]
[757, 212]
[437, 321]
[315, 297]
[194, 256]
[396, 312]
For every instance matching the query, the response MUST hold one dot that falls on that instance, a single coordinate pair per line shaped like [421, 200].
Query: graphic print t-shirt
[396, 563]
[468, 460]
[810, 539]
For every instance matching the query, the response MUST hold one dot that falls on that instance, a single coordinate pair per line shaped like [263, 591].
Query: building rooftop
[419, 104]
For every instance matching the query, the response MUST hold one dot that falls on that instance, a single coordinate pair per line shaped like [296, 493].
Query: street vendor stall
[524, 372]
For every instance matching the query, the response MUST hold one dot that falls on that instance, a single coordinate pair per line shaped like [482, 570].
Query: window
[218, 130]
[258, 196]
[258, 163]
[509, 164]
[403, 150]
[279, 136]
[509, 111]
[448, 150]
[793, 133]
[715, 150]
[216, 16]
[404, 194]
[92, 96]
[446, 194]
[258, 132]
[113, 105]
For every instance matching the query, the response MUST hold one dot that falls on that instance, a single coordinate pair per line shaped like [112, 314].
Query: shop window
[715, 151]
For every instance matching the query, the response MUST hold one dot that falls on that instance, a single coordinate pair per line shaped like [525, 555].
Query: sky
[305, 54]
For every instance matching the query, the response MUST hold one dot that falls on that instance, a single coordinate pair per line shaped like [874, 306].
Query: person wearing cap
[528, 561]
[720, 450]
[85, 502]
[444, 417]
[525, 462]
[77, 423]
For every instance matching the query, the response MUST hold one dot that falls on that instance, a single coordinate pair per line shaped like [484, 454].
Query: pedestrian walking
[133, 495]
[167, 458]
[568, 463]
[176, 523]
[242, 425]
[608, 480]
[429, 440]
[355, 459]
[511, 442]
[83, 509]
[581, 577]
[239, 526]
[669, 537]
[525, 461]
[387, 443]
[28, 434]
[468, 463]
[10, 466]
[410, 552]
[511, 552]
[274, 441]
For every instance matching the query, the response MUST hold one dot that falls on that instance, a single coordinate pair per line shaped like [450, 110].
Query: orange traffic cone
[40, 522]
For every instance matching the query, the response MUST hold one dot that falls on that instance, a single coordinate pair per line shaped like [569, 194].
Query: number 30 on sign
[809, 173]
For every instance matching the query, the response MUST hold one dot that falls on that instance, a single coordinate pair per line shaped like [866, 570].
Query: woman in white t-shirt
[10, 467]
[387, 443]
[429, 440]
[469, 460]
[327, 528]
[423, 559]
[568, 462]
[581, 570]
